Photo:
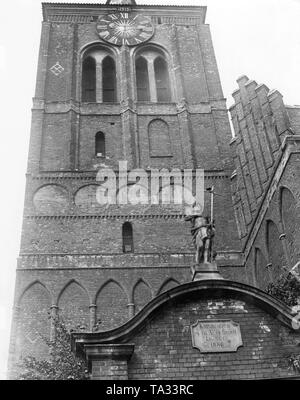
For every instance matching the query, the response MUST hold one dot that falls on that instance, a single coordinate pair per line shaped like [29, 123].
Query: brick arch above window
[35, 284]
[152, 71]
[112, 306]
[142, 294]
[167, 285]
[287, 204]
[98, 75]
[73, 303]
[33, 324]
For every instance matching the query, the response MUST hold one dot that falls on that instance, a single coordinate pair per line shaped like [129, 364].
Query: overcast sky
[258, 38]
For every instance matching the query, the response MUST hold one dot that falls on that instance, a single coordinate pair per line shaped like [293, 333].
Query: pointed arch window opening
[142, 79]
[152, 78]
[99, 78]
[89, 80]
[287, 201]
[162, 80]
[127, 235]
[109, 80]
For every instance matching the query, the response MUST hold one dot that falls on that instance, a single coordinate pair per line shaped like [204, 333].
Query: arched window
[152, 75]
[290, 215]
[162, 80]
[89, 80]
[100, 144]
[109, 79]
[275, 248]
[127, 235]
[99, 82]
[159, 139]
[262, 278]
[142, 79]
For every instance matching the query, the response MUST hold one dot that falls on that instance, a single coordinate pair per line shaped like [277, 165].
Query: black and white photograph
[150, 195]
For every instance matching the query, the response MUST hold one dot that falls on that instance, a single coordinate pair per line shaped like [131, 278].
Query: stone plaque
[216, 336]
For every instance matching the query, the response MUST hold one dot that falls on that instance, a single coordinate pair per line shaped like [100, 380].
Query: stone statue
[203, 232]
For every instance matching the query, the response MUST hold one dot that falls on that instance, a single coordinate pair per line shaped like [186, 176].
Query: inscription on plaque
[216, 336]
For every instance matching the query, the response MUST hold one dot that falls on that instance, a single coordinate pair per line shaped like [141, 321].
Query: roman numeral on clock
[124, 28]
[104, 34]
[114, 39]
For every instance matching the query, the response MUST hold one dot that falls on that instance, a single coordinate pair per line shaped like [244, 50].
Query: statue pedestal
[205, 271]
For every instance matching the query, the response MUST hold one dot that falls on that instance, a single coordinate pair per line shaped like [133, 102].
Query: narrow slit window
[100, 144]
[127, 238]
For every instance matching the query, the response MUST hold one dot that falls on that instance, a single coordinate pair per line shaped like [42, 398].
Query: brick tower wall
[71, 260]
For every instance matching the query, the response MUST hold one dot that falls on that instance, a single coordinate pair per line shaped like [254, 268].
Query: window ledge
[164, 156]
[103, 102]
[154, 102]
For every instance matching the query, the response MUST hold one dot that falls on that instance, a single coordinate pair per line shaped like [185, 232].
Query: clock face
[125, 28]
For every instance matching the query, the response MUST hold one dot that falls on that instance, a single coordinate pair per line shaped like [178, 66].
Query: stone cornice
[44, 261]
[105, 216]
[62, 107]
[76, 7]
[230, 255]
[91, 175]
[216, 288]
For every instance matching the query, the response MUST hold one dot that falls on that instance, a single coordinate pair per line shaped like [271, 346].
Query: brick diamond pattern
[57, 69]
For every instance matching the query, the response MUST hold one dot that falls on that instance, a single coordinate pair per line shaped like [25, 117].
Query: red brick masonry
[157, 343]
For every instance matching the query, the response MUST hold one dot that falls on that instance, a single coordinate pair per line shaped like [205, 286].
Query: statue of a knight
[203, 231]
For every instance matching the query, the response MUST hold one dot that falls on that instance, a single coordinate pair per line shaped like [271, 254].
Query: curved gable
[159, 343]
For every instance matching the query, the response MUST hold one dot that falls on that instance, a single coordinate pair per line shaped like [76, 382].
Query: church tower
[116, 82]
